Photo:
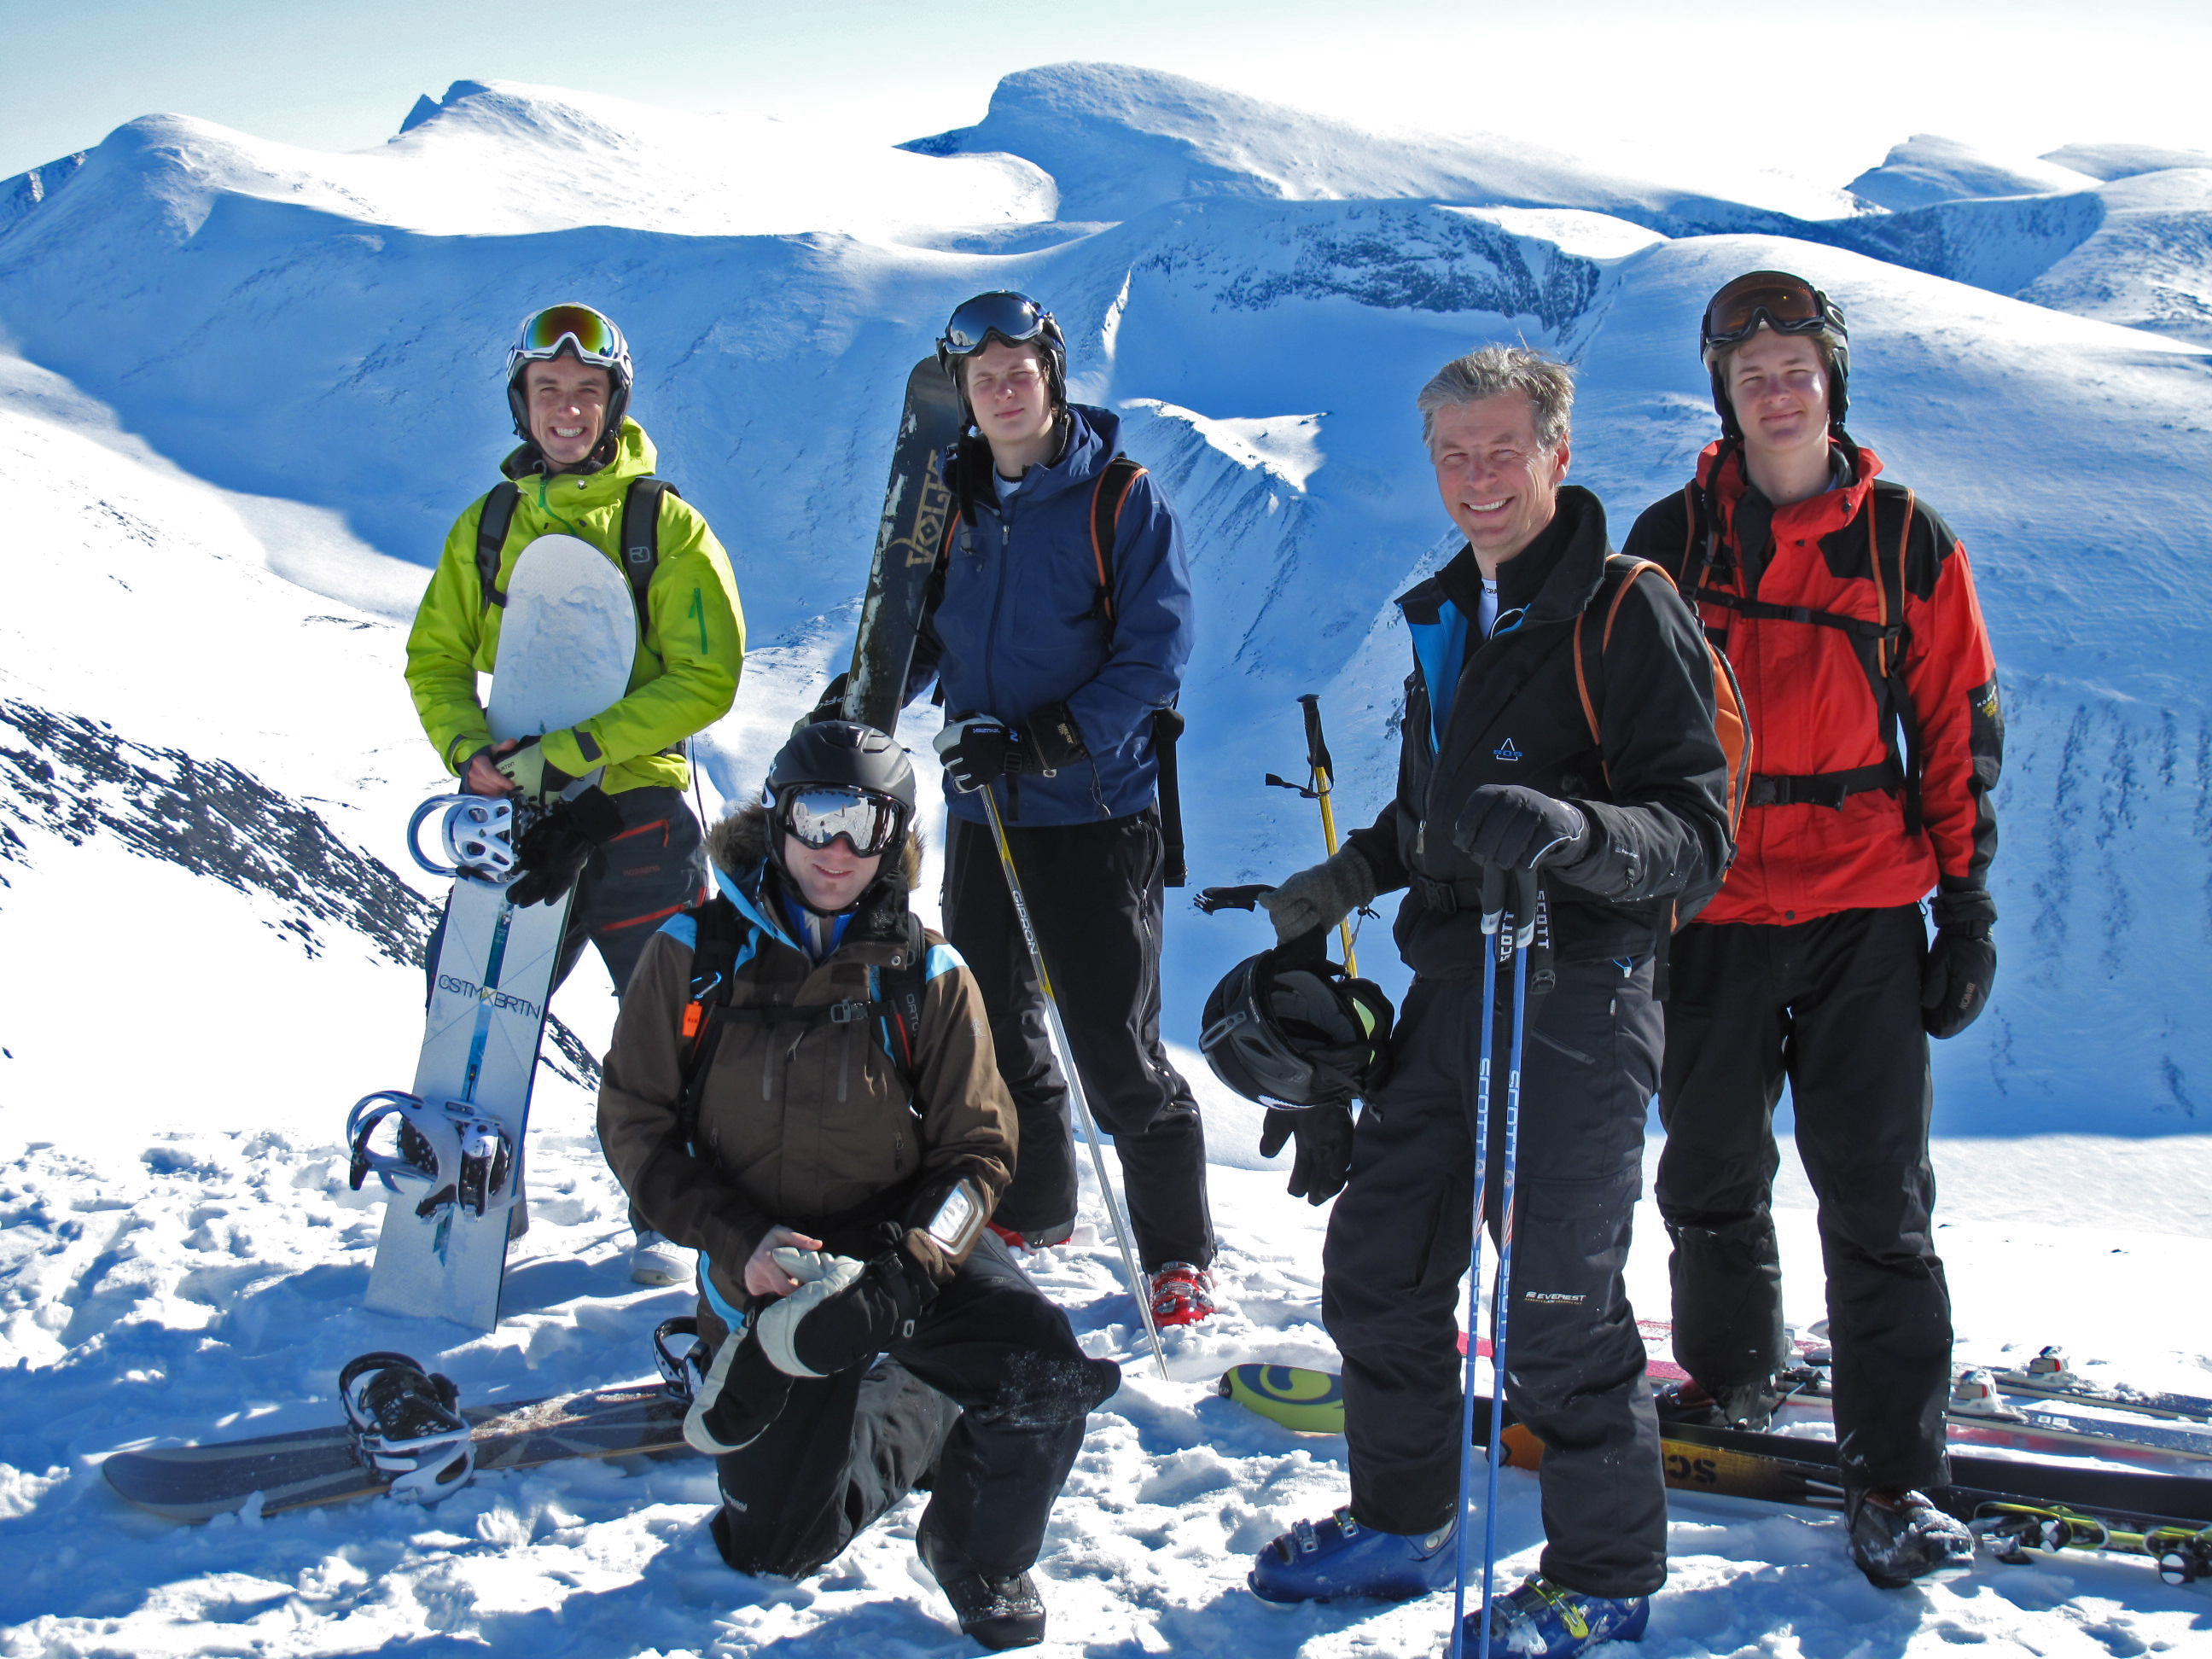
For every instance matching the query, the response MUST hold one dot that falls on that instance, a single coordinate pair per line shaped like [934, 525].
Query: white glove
[820, 1276]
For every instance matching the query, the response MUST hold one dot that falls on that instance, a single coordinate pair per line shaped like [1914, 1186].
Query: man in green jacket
[568, 385]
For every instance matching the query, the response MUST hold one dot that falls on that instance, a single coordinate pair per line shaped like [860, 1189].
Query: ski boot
[406, 1427]
[1181, 1295]
[999, 1613]
[656, 1258]
[1748, 1407]
[1546, 1620]
[1898, 1536]
[1329, 1559]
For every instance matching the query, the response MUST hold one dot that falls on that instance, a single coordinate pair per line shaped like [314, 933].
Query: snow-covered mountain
[248, 387]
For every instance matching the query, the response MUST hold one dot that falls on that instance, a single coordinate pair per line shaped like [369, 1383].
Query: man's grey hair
[1544, 381]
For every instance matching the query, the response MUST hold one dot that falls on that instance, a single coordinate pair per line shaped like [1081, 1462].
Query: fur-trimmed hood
[739, 847]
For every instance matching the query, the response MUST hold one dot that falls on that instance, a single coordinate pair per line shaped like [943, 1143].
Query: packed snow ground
[255, 384]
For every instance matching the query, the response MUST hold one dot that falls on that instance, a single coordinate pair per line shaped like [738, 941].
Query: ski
[2048, 1376]
[453, 1160]
[328, 1465]
[917, 509]
[2014, 1504]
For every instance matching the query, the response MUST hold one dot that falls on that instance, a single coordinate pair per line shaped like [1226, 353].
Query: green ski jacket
[685, 677]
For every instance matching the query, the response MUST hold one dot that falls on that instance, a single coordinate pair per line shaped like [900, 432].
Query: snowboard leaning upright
[917, 511]
[568, 642]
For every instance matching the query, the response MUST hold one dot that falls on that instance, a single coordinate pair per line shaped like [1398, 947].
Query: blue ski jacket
[1018, 627]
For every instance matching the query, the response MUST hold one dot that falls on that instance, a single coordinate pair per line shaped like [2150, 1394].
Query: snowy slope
[1927, 169]
[254, 385]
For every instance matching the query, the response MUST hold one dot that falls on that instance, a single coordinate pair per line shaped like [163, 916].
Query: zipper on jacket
[998, 598]
[844, 1058]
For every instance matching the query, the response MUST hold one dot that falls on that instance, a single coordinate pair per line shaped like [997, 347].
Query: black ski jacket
[1507, 710]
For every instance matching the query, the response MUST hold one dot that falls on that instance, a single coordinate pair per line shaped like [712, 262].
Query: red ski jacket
[1868, 679]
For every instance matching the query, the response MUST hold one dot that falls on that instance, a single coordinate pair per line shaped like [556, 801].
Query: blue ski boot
[1324, 1561]
[1545, 1620]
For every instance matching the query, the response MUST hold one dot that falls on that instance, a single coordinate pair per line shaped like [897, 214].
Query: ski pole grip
[1210, 899]
[1316, 745]
[1525, 909]
[1493, 896]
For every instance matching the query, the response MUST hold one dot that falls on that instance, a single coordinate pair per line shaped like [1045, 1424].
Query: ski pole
[1493, 901]
[1319, 785]
[1501, 1299]
[1065, 1054]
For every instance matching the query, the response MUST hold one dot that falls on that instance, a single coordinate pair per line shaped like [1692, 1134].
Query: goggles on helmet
[818, 814]
[1772, 299]
[1014, 317]
[578, 328]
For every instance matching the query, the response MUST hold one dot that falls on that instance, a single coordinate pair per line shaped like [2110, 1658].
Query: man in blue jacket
[1054, 653]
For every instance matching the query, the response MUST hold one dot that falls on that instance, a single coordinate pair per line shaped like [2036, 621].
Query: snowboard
[2016, 1503]
[568, 642]
[917, 509]
[319, 1466]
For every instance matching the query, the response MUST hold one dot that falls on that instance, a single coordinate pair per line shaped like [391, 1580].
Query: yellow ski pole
[1322, 768]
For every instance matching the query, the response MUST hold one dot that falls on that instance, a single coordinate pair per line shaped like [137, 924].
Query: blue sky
[1817, 91]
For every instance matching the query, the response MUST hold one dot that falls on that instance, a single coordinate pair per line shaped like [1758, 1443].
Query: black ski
[917, 507]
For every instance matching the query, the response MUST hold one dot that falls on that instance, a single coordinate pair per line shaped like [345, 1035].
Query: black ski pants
[1398, 1252]
[985, 1405]
[1095, 896]
[1832, 1005]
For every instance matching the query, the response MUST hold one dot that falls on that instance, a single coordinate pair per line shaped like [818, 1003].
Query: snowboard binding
[407, 1427]
[451, 1153]
[477, 834]
[682, 1356]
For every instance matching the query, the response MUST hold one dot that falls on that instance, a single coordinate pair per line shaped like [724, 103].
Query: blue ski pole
[1493, 903]
[1501, 1300]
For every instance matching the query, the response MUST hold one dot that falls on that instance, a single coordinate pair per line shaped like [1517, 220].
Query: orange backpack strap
[1107, 496]
[1622, 573]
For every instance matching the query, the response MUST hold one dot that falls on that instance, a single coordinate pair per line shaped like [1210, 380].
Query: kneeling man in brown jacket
[802, 1088]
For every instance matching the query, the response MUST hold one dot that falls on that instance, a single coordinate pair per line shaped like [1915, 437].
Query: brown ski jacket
[809, 1124]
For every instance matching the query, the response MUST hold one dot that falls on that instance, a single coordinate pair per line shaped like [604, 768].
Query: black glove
[743, 1395]
[555, 851]
[1515, 828]
[829, 706]
[975, 749]
[1962, 962]
[1052, 737]
[1324, 1157]
[844, 1312]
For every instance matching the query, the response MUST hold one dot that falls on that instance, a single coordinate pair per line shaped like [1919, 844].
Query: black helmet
[1012, 320]
[1289, 1028]
[1788, 305]
[839, 778]
[591, 338]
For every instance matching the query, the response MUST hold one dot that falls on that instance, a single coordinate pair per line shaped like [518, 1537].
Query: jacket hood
[1553, 579]
[737, 846]
[635, 457]
[1866, 466]
[1090, 438]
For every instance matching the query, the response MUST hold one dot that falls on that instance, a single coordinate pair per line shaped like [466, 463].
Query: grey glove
[1319, 896]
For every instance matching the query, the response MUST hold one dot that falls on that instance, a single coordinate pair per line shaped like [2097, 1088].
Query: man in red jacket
[1847, 609]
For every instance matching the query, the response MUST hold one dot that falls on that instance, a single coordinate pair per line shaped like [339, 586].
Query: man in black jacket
[1618, 799]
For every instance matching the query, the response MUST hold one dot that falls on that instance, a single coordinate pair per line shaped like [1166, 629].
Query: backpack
[1880, 646]
[641, 540]
[1729, 724]
[1107, 496]
[724, 939]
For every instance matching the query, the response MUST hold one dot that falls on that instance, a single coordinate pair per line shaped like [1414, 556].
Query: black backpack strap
[1901, 718]
[1167, 729]
[900, 990]
[640, 541]
[1107, 496]
[720, 933]
[491, 539]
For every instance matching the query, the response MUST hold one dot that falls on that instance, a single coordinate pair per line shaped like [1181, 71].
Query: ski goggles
[1014, 317]
[818, 815]
[593, 337]
[1769, 299]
